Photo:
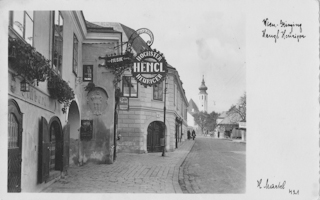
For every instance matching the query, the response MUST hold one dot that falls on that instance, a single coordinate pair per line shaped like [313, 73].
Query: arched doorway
[74, 138]
[14, 146]
[55, 147]
[155, 132]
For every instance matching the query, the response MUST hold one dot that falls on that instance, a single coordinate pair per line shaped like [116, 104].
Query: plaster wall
[100, 148]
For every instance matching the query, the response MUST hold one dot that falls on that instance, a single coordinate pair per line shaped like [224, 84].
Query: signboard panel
[87, 72]
[242, 124]
[149, 67]
[124, 103]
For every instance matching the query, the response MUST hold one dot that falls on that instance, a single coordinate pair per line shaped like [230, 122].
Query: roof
[91, 27]
[233, 118]
[192, 105]
[222, 115]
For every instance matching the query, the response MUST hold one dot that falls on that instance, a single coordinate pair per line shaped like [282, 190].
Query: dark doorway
[56, 147]
[14, 147]
[155, 132]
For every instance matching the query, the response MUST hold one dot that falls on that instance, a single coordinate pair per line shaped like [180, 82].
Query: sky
[198, 39]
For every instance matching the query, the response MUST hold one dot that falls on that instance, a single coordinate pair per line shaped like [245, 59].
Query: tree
[238, 112]
[200, 119]
[206, 121]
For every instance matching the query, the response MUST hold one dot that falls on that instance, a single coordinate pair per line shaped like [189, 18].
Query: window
[181, 106]
[178, 97]
[129, 86]
[22, 23]
[57, 41]
[174, 95]
[158, 91]
[75, 55]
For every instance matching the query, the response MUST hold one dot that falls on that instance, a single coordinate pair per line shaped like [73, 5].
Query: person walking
[193, 134]
[189, 134]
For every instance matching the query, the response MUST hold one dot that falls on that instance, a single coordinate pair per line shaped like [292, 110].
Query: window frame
[57, 68]
[75, 68]
[25, 15]
[130, 95]
[153, 92]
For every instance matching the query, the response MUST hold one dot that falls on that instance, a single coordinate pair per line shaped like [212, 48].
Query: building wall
[37, 103]
[99, 148]
[133, 124]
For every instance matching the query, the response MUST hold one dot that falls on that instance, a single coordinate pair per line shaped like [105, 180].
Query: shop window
[22, 23]
[158, 91]
[129, 87]
[57, 41]
[75, 55]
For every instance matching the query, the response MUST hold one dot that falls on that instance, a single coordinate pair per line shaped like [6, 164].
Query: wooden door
[155, 132]
[14, 147]
[44, 151]
[66, 146]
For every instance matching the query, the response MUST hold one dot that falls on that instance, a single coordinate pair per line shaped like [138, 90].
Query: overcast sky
[206, 38]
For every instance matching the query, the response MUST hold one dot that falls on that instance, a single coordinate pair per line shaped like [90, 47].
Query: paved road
[214, 166]
[131, 173]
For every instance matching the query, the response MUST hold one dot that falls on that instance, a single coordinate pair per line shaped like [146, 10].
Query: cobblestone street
[131, 173]
[214, 166]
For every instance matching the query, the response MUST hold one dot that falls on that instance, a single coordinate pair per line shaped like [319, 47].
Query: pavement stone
[130, 173]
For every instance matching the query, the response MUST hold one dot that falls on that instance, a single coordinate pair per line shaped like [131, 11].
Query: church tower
[203, 97]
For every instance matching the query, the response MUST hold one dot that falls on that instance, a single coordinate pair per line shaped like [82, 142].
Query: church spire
[203, 86]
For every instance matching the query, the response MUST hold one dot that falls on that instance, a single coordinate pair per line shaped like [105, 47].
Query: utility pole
[164, 116]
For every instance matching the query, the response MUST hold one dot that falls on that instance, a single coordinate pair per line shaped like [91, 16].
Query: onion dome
[203, 87]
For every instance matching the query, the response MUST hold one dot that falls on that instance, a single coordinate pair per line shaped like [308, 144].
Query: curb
[176, 185]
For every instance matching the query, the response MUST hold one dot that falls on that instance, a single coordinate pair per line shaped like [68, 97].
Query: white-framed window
[129, 87]
[22, 23]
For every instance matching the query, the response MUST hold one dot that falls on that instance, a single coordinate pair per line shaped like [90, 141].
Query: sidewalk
[131, 173]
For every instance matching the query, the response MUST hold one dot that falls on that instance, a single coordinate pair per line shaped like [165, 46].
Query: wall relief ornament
[97, 100]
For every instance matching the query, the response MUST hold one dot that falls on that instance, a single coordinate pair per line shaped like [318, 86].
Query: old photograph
[136, 97]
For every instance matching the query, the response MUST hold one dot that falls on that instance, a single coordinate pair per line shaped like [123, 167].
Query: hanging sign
[149, 67]
[117, 60]
[136, 34]
[124, 103]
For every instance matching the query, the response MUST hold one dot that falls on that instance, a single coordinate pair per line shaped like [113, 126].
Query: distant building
[225, 124]
[203, 97]
[192, 109]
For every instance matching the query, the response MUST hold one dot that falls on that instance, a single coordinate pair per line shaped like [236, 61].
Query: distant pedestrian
[189, 134]
[193, 134]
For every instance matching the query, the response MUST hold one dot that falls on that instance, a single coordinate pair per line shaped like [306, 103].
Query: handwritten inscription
[294, 192]
[282, 30]
[268, 185]
[274, 186]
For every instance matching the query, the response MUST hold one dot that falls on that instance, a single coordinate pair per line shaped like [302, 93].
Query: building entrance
[155, 132]
[14, 147]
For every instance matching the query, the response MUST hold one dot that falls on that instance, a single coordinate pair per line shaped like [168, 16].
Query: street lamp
[24, 86]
